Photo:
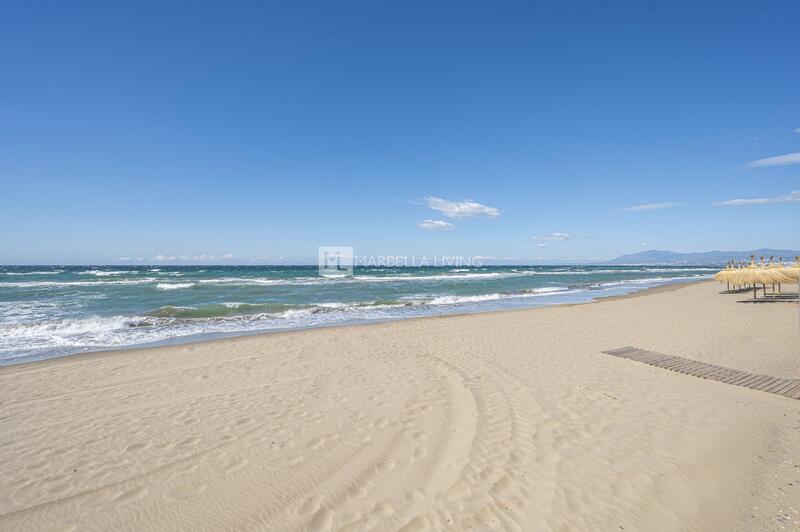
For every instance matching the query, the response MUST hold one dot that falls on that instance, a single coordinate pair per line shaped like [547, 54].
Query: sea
[54, 311]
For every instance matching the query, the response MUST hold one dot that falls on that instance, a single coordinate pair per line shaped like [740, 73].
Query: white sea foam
[107, 273]
[647, 281]
[333, 305]
[457, 300]
[64, 328]
[68, 284]
[173, 286]
[55, 272]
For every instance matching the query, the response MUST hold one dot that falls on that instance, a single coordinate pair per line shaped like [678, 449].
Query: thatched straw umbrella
[737, 276]
[754, 275]
[793, 272]
[725, 276]
[778, 274]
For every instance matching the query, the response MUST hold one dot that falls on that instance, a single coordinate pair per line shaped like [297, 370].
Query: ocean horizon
[51, 311]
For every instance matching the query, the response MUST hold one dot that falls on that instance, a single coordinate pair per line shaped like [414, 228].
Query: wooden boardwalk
[764, 383]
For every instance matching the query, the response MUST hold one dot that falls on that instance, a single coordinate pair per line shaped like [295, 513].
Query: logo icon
[336, 261]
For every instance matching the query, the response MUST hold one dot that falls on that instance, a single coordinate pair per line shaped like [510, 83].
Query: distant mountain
[655, 256]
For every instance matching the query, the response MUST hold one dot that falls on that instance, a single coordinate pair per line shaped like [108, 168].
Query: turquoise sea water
[59, 310]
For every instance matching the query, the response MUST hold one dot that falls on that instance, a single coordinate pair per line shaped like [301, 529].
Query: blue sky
[256, 131]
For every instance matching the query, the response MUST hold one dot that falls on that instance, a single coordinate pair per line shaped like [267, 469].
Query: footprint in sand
[386, 466]
[357, 492]
[382, 510]
[137, 447]
[418, 524]
[419, 437]
[415, 495]
[310, 506]
[322, 521]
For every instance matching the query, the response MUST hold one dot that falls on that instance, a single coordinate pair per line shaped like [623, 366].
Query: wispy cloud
[552, 237]
[435, 225]
[651, 206]
[792, 197]
[461, 209]
[780, 160]
[204, 257]
[796, 130]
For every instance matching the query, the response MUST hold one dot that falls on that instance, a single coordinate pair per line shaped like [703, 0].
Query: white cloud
[792, 197]
[651, 206]
[203, 257]
[435, 225]
[796, 130]
[780, 160]
[543, 245]
[461, 209]
[552, 237]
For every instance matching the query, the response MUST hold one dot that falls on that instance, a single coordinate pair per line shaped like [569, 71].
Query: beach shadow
[772, 299]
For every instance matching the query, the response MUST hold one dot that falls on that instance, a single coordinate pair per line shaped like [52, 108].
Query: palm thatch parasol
[726, 275]
[755, 274]
[793, 272]
[737, 276]
[778, 274]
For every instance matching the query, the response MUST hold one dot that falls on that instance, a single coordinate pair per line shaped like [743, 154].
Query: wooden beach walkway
[763, 383]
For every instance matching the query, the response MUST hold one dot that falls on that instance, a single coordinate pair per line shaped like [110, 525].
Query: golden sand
[497, 421]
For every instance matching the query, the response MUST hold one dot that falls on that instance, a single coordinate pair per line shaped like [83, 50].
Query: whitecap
[173, 286]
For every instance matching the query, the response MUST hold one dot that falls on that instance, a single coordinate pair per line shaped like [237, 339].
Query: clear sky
[253, 130]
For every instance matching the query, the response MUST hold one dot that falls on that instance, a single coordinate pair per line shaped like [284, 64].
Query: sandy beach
[497, 421]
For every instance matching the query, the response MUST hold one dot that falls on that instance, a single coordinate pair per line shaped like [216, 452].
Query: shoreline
[221, 337]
